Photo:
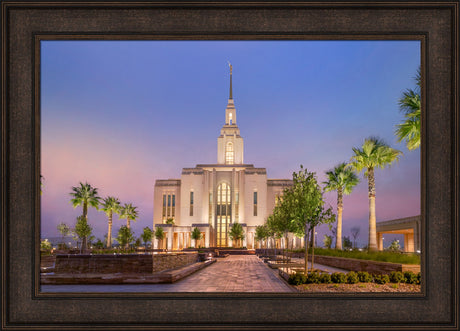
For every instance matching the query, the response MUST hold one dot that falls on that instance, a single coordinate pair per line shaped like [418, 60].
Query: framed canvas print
[209, 141]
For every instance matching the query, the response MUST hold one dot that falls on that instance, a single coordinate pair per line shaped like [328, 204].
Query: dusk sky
[121, 114]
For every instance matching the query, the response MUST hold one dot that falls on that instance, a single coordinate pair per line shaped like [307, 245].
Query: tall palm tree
[129, 212]
[374, 153]
[85, 195]
[110, 205]
[341, 179]
[410, 106]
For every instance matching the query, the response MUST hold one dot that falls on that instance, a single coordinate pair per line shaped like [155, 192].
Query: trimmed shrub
[419, 278]
[352, 277]
[313, 278]
[396, 277]
[297, 279]
[325, 278]
[410, 277]
[339, 277]
[364, 277]
[381, 279]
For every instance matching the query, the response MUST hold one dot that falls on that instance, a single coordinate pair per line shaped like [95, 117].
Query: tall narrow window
[237, 203]
[229, 159]
[223, 214]
[230, 118]
[191, 203]
[255, 203]
[169, 207]
[163, 214]
[210, 209]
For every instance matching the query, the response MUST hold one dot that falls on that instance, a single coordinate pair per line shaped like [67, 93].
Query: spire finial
[231, 68]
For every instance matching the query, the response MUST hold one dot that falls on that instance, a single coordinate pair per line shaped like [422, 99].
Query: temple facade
[214, 196]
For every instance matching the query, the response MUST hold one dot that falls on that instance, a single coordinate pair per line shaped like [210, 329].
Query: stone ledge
[168, 276]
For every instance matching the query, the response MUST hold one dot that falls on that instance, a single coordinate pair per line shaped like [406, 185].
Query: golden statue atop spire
[230, 65]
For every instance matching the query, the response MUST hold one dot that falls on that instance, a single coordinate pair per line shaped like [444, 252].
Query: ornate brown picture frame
[26, 23]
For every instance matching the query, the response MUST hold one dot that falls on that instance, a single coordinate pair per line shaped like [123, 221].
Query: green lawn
[384, 256]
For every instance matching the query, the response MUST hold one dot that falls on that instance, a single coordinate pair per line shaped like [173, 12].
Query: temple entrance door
[223, 214]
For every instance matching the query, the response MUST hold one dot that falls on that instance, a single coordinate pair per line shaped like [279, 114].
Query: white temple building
[214, 196]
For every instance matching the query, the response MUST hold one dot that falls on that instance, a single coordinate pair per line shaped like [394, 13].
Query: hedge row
[352, 277]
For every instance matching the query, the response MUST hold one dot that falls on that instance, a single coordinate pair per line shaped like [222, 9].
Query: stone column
[245, 240]
[206, 239]
[170, 238]
[380, 241]
[155, 241]
[410, 242]
[417, 246]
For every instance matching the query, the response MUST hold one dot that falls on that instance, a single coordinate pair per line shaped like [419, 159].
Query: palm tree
[111, 205]
[341, 179]
[410, 106]
[129, 212]
[85, 195]
[374, 153]
[160, 235]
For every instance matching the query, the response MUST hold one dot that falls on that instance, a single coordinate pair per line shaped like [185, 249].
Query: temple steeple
[231, 92]
[230, 112]
[230, 143]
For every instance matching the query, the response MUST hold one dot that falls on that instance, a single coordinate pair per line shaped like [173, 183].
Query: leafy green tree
[137, 242]
[262, 235]
[64, 230]
[374, 153]
[410, 106]
[341, 179]
[125, 236]
[146, 236]
[83, 231]
[85, 196]
[394, 246]
[129, 212]
[99, 244]
[160, 235]
[91, 239]
[347, 244]
[305, 204]
[236, 233]
[275, 227]
[196, 235]
[45, 245]
[327, 241]
[109, 206]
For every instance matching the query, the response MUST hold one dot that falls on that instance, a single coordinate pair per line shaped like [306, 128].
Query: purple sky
[121, 114]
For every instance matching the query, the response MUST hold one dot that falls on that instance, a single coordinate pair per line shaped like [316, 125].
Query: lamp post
[383, 246]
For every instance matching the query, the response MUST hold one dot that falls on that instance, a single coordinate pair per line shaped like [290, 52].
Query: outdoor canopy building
[213, 197]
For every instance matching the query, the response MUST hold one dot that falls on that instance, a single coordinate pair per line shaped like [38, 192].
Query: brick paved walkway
[235, 273]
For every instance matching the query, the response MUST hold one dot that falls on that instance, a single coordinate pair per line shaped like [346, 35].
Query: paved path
[235, 273]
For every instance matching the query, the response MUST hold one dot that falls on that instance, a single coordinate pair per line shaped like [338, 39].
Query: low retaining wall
[170, 261]
[372, 267]
[121, 263]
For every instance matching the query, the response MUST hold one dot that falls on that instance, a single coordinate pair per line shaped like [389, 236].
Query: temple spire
[231, 92]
